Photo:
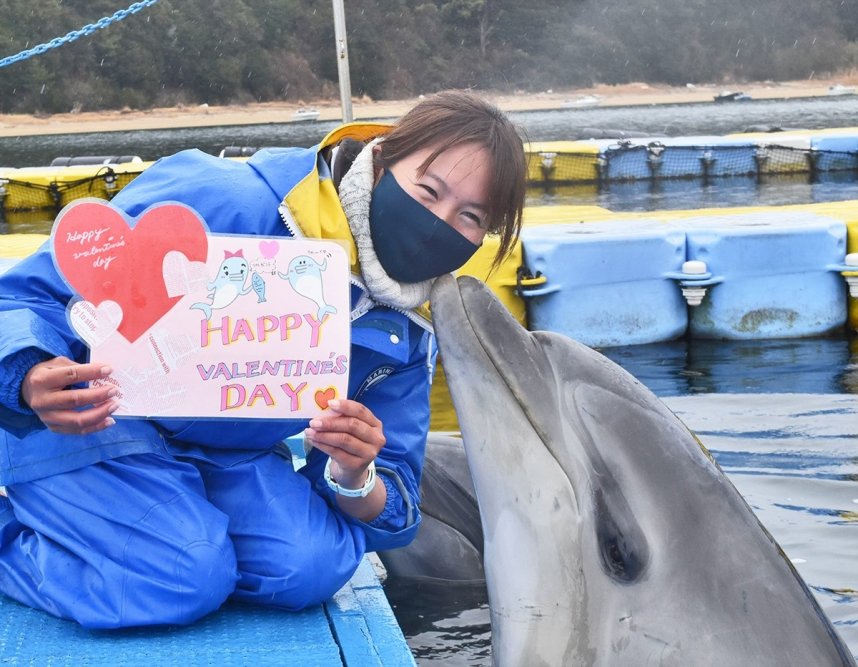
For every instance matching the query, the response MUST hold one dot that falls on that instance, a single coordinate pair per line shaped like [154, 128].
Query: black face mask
[411, 242]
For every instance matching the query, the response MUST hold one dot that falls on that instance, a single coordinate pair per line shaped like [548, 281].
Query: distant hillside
[237, 51]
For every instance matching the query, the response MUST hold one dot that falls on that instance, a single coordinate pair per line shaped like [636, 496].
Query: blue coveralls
[160, 522]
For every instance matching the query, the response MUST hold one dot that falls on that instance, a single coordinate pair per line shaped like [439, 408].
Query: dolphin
[611, 536]
[448, 549]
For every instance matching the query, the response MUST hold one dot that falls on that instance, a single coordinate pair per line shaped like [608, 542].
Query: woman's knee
[300, 577]
[194, 582]
[179, 563]
[206, 575]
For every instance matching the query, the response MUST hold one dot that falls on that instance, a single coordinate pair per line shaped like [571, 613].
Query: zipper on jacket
[289, 221]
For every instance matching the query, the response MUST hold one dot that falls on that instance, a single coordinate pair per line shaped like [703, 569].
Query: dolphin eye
[622, 546]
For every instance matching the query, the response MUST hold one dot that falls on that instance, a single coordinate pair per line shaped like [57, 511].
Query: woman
[136, 522]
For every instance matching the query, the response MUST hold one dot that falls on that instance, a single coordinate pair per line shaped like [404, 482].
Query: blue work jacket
[269, 194]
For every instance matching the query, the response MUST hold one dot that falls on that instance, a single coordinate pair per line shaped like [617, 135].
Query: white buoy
[694, 295]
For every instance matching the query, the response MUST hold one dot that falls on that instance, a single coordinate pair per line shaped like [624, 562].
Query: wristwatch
[362, 492]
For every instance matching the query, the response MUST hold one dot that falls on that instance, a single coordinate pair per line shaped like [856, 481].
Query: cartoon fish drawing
[258, 286]
[227, 285]
[305, 276]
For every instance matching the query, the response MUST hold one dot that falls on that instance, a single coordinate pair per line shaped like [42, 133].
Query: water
[662, 120]
[781, 417]
[697, 119]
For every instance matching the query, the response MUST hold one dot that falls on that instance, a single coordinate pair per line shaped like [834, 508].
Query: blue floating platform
[354, 629]
[769, 273]
[607, 283]
[678, 157]
[835, 152]
[773, 275]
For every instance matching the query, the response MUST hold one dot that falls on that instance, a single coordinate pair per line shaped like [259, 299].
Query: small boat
[306, 114]
[582, 102]
[730, 96]
[840, 89]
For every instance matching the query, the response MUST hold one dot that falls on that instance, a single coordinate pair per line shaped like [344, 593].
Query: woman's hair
[452, 118]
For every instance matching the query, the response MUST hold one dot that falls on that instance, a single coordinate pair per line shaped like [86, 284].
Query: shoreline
[632, 94]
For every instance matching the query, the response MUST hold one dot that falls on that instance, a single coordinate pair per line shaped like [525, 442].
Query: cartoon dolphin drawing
[228, 285]
[305, 276]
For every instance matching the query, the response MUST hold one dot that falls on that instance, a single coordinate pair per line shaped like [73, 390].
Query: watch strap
[362, 492]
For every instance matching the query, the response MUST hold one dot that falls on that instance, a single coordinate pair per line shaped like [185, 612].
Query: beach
[12, 125]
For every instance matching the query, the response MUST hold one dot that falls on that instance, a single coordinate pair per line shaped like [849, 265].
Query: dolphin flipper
[205, 307]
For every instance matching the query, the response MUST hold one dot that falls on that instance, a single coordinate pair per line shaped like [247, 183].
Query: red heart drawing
[322, 396]
[105, 256]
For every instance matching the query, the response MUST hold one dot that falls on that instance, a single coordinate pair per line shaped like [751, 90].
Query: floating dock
[611, 279]
[35, 188]
[812, 152]
[595, 161]
[354, 629]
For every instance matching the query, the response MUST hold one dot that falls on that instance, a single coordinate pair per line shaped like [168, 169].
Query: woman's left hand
[352, 436]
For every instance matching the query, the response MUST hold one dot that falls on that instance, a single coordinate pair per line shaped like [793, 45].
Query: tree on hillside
[233, 51]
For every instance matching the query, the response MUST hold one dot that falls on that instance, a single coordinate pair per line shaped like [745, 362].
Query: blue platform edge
[356, 628]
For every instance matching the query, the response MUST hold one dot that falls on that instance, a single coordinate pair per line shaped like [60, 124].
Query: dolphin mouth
[237, 278]
[495, 335]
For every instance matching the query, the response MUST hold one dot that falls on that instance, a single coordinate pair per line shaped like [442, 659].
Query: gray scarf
[355, 193]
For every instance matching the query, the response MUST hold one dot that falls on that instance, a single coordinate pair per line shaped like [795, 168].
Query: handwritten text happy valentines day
[205, 325]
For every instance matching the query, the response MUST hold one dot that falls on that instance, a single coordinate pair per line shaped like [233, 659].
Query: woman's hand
[352, 436]
[71, 411]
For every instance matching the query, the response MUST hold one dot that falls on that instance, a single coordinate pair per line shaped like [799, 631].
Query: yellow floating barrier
[852, 246]
[18, 246]
[566, 161]
[29, 188]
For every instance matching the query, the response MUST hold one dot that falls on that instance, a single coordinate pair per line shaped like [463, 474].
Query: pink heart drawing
[269, 248]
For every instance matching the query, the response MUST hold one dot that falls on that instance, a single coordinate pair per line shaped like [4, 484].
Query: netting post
[601, 170]
[547, 167]
[813, 164]
[56, 195]
[654, 159]
[761, 160]
[707, 161]
[3, 193]
[110, 184]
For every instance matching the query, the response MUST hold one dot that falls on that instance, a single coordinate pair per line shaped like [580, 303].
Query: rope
[77, 34]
